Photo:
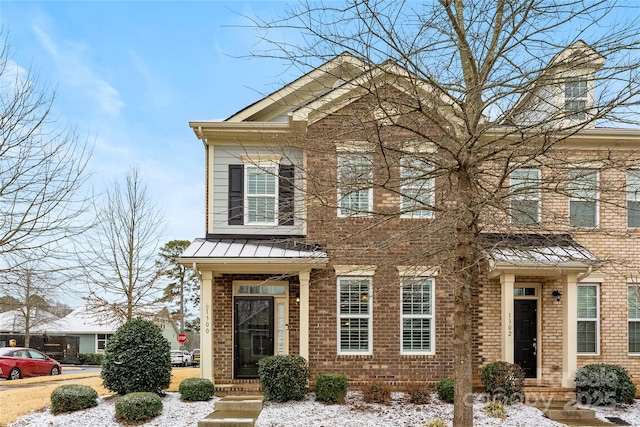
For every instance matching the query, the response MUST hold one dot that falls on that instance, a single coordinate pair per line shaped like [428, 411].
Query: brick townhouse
[300, 258]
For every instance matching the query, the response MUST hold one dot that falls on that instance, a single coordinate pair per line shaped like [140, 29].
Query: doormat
[618, 421]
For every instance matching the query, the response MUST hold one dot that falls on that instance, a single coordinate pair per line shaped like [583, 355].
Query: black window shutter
[286, 195]
[236, 194]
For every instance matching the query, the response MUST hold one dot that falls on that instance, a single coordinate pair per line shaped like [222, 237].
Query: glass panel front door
[253, 334]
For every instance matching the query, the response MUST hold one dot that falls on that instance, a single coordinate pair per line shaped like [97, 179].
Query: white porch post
[506, 281]
[304, 277]
[206, 325]
[569, 329]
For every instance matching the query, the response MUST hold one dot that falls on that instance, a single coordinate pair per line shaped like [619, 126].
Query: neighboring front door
[253, 334]
[525, 335]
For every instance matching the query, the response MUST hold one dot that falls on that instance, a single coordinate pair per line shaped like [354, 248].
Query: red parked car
[20, 362]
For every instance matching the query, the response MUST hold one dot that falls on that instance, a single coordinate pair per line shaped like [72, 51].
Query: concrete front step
[234, 411]
[569, 413]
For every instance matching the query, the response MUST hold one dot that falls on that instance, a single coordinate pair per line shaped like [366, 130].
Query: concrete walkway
[234, 411]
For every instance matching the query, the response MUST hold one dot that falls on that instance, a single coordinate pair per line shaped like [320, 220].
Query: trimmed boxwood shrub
[73, 397]
[137, 359]
[196, 389]
[284, 377]
[445, 390]
[331, 388]
[503, 381]
[601, 384]
[138, 406]
[90, 359]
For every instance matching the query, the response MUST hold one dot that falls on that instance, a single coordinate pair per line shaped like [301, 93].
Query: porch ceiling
[253, 256]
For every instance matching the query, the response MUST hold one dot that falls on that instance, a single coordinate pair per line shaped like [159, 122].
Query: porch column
[206, 325]
[506, 281]
[304, 277]
[569, 329]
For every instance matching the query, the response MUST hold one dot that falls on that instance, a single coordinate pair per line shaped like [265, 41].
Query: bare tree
[121, 263]
[33, 287]
[461, 95]
[43, 168]
[183, 282]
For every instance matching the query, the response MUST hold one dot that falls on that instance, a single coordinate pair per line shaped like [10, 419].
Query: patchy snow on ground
[175, 413]
[400, 413]
[311, 413]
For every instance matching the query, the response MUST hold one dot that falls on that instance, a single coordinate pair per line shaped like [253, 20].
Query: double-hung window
[355, 193]
[576, 98]
[101, 341]
[417, 321]
[588, 319]
[633, 316]
[418, 186]
[525, 197]
[354, 315]
[633, 198]
[261, 194]
[583, 198]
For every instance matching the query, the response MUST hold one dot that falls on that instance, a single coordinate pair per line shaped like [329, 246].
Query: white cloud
[76, 72]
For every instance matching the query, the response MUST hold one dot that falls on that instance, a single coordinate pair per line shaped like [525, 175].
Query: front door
[525, 335]
[253, 334]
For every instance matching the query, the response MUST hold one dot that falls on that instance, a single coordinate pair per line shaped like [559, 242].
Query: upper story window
[261, 194]
[633, 198]
[583, 198]
[355, 195]
[576, 98]
[354, 315]
[525, 197]
[418, 189]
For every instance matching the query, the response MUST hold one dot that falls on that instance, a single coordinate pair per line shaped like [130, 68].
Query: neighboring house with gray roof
[95, 330]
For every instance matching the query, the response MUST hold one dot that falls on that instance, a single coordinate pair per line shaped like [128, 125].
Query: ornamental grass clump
[73, 397]
[138, 406]
[377, 393]
[196, 389]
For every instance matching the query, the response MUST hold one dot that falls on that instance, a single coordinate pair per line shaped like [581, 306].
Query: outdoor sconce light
[297, 297]
[557, 294]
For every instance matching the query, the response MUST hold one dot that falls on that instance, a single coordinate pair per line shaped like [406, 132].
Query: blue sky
[132, 74]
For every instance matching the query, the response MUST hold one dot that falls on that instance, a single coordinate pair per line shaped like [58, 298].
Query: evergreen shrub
[73, 397]
[137, 359]
[284, 377]
[138, 406]
[331, 388]
[196, 389]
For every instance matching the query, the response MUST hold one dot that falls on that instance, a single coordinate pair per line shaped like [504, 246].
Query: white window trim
[587, 98]
[274, 196]
[633, 283]
[627, 199]
[533, 195]
[420, 213]
[359, 316]
[368, 190]
[597, 319]
[596, 200]
[424, 316]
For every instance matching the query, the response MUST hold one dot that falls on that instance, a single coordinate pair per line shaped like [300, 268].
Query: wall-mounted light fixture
[297, 297]
[557, 294]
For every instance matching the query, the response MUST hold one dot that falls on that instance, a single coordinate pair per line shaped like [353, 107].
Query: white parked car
[180, 358]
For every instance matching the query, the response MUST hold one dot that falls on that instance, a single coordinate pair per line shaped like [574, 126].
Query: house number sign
[509, 325]
[207, 320]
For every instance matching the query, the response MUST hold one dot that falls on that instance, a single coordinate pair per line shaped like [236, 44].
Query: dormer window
[575, 98]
